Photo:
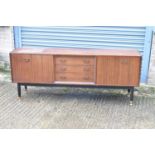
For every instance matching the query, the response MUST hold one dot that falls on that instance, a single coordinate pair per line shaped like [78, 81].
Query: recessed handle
[63, 78]
[63, 69]
[86, 61]
[86, 78]
[124, 61]
[86, 69]
[27, 60]
[63, 60]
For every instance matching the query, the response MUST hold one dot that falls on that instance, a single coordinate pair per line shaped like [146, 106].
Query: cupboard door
[32, 68]
[21, 67]
[118, 71]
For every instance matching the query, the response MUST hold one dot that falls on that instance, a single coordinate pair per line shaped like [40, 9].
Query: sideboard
[108, 68]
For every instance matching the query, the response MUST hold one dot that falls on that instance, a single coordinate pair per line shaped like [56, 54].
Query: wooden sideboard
[76, 67]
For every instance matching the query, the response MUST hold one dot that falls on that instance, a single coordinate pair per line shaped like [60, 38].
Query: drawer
[74, 69]
[72, 77]
[75, 60]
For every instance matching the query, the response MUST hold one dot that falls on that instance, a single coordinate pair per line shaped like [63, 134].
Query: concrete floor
[43, 107]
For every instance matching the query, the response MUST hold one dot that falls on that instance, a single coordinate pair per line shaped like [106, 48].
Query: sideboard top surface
[74, 51]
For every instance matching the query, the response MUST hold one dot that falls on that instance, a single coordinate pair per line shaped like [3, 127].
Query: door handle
[26, 60]
[124, 61]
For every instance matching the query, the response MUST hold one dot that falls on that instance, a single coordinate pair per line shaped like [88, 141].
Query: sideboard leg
[128, 90]
[131, 94]
[19, 89]
[25, 87]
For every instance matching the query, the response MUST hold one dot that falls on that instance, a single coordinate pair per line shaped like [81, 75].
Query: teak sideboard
[76, 67]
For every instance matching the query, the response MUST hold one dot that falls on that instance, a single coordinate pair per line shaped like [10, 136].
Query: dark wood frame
[130, 89]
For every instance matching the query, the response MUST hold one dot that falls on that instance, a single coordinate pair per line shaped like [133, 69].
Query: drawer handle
[26, 60]
[62, 60]
[86, 69]
[63, 69]
[63, 78]
[86, 78]
[86, 61]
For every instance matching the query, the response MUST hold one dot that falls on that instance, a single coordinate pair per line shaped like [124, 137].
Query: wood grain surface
[100, 67]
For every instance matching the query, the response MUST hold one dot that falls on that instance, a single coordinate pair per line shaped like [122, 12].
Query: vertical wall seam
[17, 37]
[146, 54]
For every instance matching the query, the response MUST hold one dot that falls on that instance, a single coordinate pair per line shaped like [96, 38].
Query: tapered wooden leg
[19, 89]
[131, 94]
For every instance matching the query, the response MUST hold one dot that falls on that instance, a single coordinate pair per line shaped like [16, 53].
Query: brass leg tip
[131, 103]
[19, 98]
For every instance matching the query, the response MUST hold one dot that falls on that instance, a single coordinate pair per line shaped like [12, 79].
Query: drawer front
[74, 69]
[75, 60]
[72, 77]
